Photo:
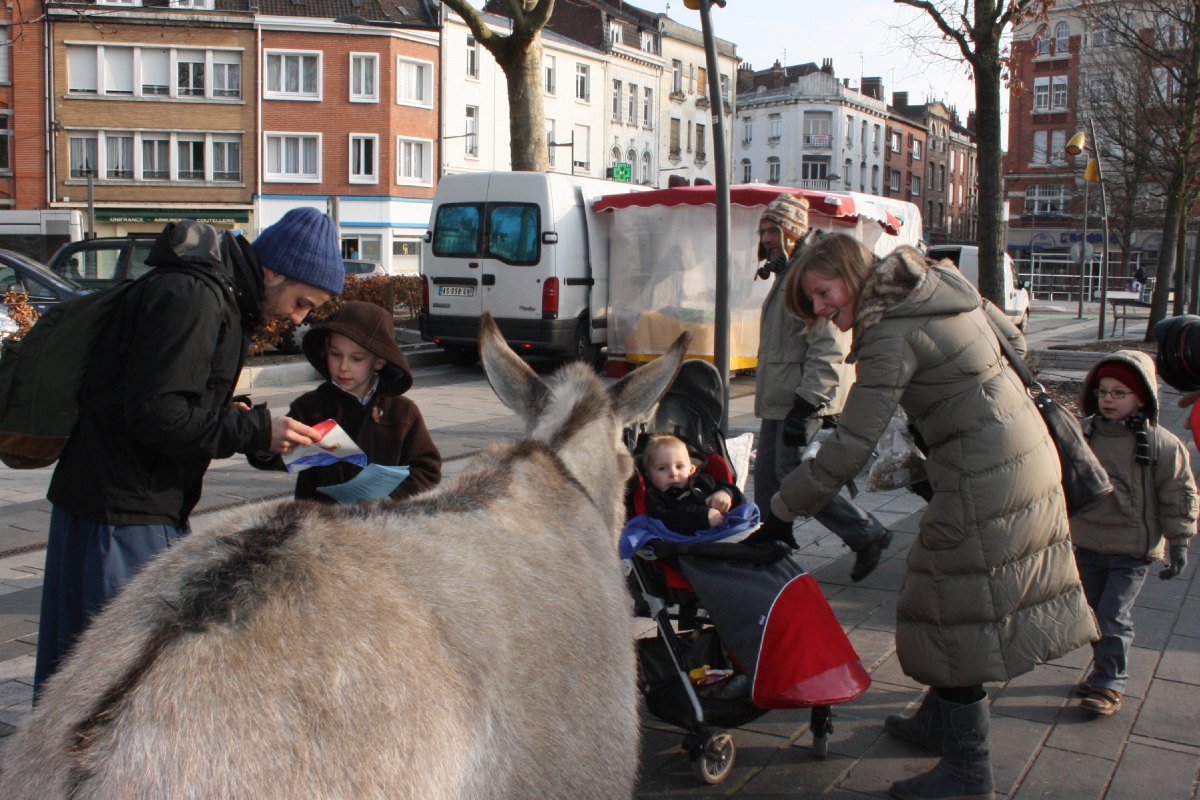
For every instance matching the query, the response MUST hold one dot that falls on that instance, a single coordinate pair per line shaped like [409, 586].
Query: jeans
[775, 460]
[1111, 584]
[87, 564]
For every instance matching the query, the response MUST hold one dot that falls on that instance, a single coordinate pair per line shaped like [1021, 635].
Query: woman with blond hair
[991, 587]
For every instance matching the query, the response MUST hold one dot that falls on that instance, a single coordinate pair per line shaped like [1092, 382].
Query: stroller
[740, 627]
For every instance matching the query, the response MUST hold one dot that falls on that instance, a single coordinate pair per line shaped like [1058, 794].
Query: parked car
[358, 268]
[22, 274]
[966, 258]
[103, 262]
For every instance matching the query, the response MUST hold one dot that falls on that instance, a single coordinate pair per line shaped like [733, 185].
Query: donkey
[471, 642]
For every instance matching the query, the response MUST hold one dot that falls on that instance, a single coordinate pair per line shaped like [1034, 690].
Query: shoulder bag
[1084, 479]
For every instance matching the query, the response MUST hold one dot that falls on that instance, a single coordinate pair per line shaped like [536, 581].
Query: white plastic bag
[739, 448]
[899, 463]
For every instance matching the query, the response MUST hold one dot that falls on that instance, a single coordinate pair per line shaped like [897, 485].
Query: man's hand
[795, 424]
[240, 402]
[1176, 561]
[287, 433]
[720, 500]
[773, 529]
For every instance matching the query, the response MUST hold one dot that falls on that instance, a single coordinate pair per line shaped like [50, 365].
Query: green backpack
[41, 377]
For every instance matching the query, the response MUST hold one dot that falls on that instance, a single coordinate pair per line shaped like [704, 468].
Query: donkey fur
[472, 642]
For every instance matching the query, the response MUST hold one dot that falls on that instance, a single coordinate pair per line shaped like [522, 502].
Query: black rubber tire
[713, 761]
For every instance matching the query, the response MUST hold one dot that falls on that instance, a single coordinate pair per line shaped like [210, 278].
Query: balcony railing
[821, 140]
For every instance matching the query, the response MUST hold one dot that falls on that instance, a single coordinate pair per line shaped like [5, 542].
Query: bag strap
[1010, 352]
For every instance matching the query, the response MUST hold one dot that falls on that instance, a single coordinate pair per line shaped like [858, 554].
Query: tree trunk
[522, 65]
[991, 197]
[1165, 274]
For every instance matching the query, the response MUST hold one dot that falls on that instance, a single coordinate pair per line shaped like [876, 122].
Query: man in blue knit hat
[157, 405]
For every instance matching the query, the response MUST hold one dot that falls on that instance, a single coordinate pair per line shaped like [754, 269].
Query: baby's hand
[721, 501]
[715, 518]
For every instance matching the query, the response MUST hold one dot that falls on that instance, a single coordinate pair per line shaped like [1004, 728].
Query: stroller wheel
[713, 760]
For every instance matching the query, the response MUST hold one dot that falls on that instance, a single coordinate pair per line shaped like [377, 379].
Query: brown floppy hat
[365, 323]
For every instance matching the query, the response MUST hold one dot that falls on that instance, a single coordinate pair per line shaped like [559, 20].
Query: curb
[1081, 360]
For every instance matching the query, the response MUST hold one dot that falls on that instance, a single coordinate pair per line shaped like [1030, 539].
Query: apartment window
[614, 156]
[1058, 146]
[648, 107]
[874, 179]
[674, 144]
[227, 159]
[1040, 139]
[1043, 46]
[691, 79]
[916, 149]
[414, 160]
[156, 158]
[472, 57]
[548, 72]
[647, 43]
[201, 4]
[190, 73]
[894, 141]
[550, 141]
[814, 169]
[1045, 198]
[293, 157]
[1058, 93]
[773, 169]
[747, 171]
[1062, 38]
[647, 168]
[1100, 31]
[82, 151]
[364, 158]
[775, 125]
[583, 86]
[701, 153]
[915, 188]
[583, 145]
[849, 130]
[876, 138]
[1041, 94]
[191, 158]
[364, 77]
[118, 71]
[119, 156]
[894, 181]
[293, 76]
[725, 89]
[414, 82]
[631, 117]
[614, 32]
[156, 71]
[747, 130]
[677, 76]
[702, 81]
[472, 128]
[616, 101]
[227, 75]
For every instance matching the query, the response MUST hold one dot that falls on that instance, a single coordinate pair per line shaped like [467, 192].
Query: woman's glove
[795, 427]
[773, 529]
[1175, 563]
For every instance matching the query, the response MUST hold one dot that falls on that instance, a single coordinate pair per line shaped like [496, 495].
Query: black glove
[795, 424]
[773, 529]
[1176, 562]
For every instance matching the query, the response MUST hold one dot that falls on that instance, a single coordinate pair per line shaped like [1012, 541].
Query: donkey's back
[471, 643]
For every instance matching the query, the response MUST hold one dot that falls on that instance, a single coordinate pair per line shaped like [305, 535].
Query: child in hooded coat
[366, 375]
[1154, 500]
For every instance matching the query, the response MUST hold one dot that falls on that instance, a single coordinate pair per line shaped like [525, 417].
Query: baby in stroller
[685, 499]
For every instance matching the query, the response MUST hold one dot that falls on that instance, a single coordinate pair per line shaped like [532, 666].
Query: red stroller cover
[776, 622]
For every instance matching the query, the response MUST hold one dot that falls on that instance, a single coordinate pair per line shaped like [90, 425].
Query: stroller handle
[757, 553]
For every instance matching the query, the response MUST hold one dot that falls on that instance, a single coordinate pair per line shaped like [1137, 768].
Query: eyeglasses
[1115, 394]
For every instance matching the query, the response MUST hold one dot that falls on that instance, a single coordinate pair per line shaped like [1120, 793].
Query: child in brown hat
[366, 375]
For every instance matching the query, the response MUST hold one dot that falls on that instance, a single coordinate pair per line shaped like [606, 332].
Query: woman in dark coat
[991, 588]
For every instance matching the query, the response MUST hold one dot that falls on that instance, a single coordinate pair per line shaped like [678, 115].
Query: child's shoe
[1103, 702]
[1083, 688]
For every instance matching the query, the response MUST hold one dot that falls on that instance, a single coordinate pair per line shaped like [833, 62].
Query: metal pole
[1104, 214]
[91, 202]
[1083, 254]
[721, 331]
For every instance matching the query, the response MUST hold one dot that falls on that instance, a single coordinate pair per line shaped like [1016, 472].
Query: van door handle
[472, 265]
[488, 280]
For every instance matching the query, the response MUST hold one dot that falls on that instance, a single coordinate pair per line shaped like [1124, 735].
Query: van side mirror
[549, 237]
[428, 237]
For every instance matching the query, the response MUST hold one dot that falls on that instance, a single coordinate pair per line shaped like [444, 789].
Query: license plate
[456, 291]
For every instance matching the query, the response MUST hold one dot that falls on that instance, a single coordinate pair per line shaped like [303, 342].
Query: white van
[526, 247]
[966, 258]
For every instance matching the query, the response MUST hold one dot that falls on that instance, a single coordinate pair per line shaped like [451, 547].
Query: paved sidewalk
[1043, 746]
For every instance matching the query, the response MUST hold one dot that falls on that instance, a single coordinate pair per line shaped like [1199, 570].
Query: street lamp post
[570, 144]
[1095, 174]
[1083, 248]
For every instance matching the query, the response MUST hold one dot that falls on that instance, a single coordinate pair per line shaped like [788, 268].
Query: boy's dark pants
[1111, 584]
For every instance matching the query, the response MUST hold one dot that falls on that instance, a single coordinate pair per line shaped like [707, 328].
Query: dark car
[100, 263]
[22, 274]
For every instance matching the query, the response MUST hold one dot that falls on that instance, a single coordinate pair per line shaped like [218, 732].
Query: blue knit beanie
[304, 246]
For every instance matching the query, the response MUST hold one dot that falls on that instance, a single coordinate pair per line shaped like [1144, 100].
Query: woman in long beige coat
[991, 588]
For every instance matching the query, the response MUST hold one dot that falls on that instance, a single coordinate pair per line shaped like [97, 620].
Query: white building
[800, 126]
[633, 71]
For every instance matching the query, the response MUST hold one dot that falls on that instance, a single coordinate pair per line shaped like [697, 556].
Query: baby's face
[670, 467]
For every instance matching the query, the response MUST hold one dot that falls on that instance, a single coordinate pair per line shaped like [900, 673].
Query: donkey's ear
[638, 391]
[513, 381]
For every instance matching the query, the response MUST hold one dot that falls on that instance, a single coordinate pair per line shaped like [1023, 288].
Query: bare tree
[1159, 41]
[976, 28]
[519, 54]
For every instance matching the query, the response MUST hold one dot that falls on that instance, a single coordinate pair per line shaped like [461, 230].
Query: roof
[417, 13]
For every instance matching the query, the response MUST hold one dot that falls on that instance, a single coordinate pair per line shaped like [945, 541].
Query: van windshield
[507, 232]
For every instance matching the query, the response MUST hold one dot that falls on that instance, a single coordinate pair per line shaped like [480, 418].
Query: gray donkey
[472, 642]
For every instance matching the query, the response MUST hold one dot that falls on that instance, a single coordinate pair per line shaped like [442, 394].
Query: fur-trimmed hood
[905, 283]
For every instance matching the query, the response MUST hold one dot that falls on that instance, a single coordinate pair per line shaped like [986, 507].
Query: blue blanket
[643, 529]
